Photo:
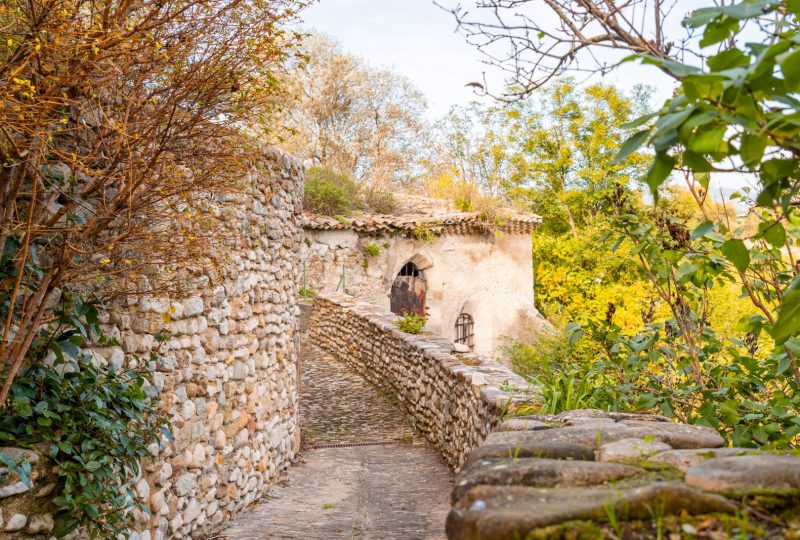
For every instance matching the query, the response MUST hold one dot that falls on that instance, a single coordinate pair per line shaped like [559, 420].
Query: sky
[418, 39]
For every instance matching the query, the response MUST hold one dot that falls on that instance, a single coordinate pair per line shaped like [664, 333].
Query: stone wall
[595, 474]
[226, 374]
[455, 399]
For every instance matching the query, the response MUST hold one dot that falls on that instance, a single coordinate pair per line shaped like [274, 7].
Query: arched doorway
[408, 290]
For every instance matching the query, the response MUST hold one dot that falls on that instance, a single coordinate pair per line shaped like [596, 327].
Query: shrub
[329, 193]
[423, 232]
[97, 421]
[372, 249]
[566, 374]
[411, 323]
[378, 201]
[98, 424]
[305, 292]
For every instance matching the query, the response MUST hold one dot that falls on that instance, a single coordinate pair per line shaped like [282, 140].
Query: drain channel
[351, 445]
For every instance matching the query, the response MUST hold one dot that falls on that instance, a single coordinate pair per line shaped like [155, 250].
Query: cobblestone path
[396, 491]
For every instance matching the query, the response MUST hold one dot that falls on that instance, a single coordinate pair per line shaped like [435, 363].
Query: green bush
[567, 376]
[411, 323]
[378, 201]
[305, 292]
[96, 421]
[330, 193]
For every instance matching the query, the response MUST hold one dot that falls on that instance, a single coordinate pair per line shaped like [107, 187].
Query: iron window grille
[465, 330]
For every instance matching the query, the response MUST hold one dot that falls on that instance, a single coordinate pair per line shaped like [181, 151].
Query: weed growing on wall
[411, 323]
[372, 249]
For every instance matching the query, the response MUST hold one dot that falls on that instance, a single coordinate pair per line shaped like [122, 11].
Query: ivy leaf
[736, 252]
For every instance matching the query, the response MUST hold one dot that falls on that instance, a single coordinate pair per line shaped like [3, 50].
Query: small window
[465, 330]
[410, 269]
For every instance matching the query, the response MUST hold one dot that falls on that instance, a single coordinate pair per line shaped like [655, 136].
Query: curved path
[362, 474]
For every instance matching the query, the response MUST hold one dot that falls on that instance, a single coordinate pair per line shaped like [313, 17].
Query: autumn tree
[120, 123]
[735, 66]
[355, 118]
[471, 153]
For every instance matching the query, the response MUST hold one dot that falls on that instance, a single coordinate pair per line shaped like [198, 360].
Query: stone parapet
[593, 474]
[454, 399]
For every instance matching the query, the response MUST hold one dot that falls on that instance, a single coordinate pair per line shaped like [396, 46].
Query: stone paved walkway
[398, 491]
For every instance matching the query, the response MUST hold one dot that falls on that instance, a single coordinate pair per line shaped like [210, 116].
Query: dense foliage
[332, 193]
[411, 323]
[95, 419]
[720, 324]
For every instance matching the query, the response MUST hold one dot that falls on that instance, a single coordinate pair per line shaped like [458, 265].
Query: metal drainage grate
[351, 445]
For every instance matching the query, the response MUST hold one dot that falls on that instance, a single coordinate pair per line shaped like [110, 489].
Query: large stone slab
[630, 449]
[593, 435]
[579, 416]
[532, 449]
[502, 512]
[677, 435]
[535, 472]
[684, 460]
[742, 475]
[522, 423]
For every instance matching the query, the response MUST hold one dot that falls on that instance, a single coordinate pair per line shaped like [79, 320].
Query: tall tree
[355, 118]
[553, 151]
[116, 118]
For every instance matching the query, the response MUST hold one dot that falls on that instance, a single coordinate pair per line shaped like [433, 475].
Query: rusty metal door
[408, 291]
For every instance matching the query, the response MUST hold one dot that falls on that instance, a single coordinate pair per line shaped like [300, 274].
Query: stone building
[472, 279]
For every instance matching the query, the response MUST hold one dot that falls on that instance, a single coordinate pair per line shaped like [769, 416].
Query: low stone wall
[225, 375]
[594, 474]
[455, 399]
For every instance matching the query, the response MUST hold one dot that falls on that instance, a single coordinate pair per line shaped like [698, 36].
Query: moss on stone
[654, 470]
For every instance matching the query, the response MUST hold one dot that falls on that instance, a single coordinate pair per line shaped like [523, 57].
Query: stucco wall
[227, 374]
[491, 278]
[456, 400]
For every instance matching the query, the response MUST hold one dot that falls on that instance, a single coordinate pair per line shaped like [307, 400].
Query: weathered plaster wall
[454, 399]
[491, 278]
[226, 376]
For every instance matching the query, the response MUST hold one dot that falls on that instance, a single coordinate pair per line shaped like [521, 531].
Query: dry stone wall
[596, 474]
[455, 399]
[225, 374]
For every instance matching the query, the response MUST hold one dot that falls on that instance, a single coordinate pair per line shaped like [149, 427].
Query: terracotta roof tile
[413, 212]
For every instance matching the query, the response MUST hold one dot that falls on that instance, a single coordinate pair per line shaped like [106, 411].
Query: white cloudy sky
[418, 40]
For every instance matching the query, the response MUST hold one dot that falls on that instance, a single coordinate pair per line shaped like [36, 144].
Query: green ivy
[98, 423]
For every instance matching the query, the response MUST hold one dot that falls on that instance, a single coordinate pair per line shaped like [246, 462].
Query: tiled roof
[412, 213]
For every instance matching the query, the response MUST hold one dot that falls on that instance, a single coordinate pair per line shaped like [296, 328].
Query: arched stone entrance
[409, 290]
